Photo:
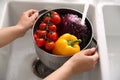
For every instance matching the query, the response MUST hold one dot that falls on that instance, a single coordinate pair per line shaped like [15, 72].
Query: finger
[34, 16]
[89, 51]
[95, 56]
[30, 12]
[96, 62]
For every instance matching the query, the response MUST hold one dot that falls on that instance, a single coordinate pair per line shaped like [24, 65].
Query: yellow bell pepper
[66, 45]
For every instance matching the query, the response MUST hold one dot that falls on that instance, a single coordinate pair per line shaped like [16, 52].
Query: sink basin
[17, 58]
[109, 13]
[5, 54]
[112, 25]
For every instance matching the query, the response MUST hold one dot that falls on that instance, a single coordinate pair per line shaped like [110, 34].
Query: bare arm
[80, 62]
[26, 21]
[9, 34]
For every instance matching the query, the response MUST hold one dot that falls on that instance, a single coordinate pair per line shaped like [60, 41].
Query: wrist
[20, 30]
[67, 68]
[71, 67]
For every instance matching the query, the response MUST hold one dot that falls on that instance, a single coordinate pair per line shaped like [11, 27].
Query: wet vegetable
[66, 45]
[71, 23]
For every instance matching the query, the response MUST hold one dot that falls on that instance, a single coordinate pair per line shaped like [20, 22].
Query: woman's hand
[27, 20]
[11, 33]
[83, 61]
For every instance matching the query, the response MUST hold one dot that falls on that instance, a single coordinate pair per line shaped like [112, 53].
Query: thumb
[89, 51]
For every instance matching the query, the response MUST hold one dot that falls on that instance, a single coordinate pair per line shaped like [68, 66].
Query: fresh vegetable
[55, 18]
[46, 19]
[40, 42]
[71, 23]
[41, 33]
[52, 36]
[46, 33]
[49, 45]
[35, 36]
[42, 26]
[52, 27]
[52, 17]
[66, 44]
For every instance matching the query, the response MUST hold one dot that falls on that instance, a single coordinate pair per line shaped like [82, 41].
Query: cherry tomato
[52, 28]
[52, 36]
[46, 19]
[41, 33]
[40, 42]
[49, 45]
[35, 36]
[55, 18]
[42, 26]
[54, 13]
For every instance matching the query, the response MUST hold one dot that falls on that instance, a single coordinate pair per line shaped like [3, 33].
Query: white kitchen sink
[111, 16]
[17, 58]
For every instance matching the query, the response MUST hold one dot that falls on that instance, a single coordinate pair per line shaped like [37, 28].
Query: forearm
[9, 34]
[63, 73]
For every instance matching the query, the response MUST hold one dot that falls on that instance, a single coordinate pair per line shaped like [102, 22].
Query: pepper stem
[72, 42]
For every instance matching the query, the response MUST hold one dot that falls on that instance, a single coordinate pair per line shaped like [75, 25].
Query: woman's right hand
[83, 61]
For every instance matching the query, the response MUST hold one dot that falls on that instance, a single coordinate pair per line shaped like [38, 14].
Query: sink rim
[102, 66]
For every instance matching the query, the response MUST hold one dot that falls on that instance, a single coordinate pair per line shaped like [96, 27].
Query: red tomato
[40, 42]
[55, 18]
[41, 33]
[46, 19]
[49, 45]
[52, 36]
[54, 13]
[52, 28]
[42, 26]
[35, 36]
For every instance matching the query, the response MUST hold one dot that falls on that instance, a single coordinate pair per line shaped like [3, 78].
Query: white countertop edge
[104, 62]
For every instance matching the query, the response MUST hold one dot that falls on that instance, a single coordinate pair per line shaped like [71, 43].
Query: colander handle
[93, 44]
[42, 11]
